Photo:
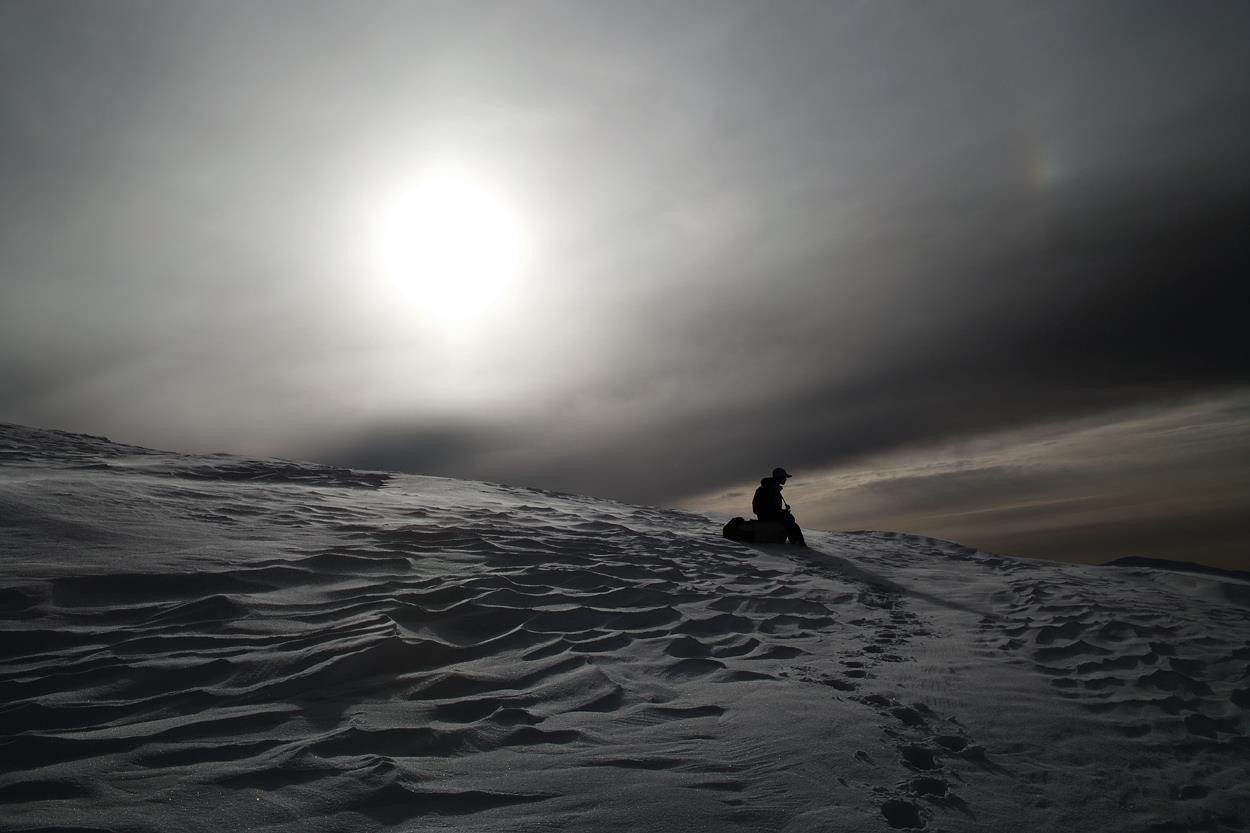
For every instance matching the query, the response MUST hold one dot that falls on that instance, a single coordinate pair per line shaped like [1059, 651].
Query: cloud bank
[808, 237]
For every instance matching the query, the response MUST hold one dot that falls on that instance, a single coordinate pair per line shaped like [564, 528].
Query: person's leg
[793, 532]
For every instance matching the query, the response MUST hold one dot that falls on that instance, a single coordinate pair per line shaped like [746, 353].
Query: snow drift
[217, 643]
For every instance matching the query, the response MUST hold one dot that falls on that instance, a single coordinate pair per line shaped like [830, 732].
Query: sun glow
[451, 245]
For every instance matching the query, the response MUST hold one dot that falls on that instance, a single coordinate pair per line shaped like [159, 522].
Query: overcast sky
[966, 269]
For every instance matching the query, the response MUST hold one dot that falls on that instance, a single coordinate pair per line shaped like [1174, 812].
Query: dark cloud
[800, 236]
[440, 450]
[1168, 481]
[1052, 515]
[1111, 306]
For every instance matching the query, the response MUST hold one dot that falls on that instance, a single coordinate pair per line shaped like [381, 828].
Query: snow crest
[208, 642]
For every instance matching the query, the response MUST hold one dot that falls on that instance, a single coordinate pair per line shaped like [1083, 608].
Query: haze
[966, 269]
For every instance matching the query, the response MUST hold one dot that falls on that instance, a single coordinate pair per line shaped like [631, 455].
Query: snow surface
[215, 643]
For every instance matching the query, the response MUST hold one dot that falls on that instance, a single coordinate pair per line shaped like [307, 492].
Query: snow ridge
[208, 642]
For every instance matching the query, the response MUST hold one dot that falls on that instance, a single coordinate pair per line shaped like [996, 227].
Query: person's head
[780, 475]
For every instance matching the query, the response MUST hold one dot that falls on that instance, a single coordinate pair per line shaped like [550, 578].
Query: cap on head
[780, 474]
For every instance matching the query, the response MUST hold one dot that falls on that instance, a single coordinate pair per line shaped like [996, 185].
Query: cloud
[1166, 481]
[803, 239]
[1108, 308]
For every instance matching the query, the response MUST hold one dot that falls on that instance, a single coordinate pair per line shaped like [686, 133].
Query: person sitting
[770, 507]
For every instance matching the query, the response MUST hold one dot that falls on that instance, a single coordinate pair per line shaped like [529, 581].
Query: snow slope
[216, 643]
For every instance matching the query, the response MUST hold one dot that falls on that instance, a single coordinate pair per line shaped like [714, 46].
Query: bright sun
[452, 244]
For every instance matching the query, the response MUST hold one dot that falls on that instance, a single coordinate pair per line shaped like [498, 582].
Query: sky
[965, 269]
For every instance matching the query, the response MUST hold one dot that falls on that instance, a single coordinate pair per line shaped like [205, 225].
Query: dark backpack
[759, 532]
[739, 529]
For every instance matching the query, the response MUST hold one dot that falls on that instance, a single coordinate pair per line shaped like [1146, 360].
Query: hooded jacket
[767, 503]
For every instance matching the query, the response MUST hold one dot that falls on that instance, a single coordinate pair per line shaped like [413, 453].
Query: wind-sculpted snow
[209, 642]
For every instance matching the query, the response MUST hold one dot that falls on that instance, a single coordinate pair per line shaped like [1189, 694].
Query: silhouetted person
[769, 506]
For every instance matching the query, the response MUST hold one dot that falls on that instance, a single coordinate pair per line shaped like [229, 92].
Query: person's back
[767, 503]
[770, 507]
